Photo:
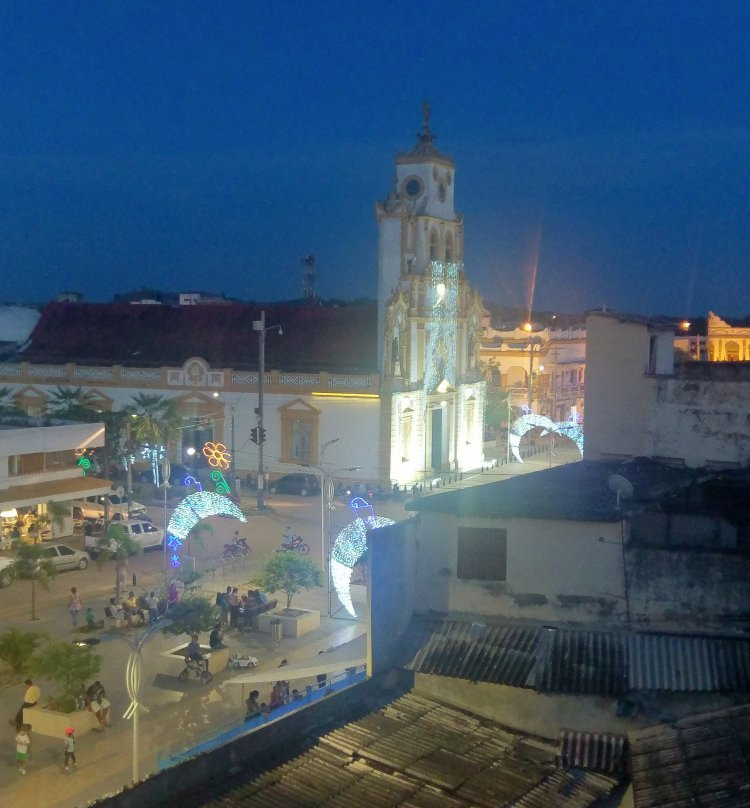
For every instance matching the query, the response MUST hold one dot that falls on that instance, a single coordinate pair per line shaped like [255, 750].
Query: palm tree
[74, 403]
[33, 565]
[116, 544]
[8, 404]
[153, 424]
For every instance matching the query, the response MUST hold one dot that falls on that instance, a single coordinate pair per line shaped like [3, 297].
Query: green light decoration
[190, 511]
[222, 486]
[85, 464]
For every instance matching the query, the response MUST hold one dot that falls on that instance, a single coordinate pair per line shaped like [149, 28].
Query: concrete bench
[45, 721]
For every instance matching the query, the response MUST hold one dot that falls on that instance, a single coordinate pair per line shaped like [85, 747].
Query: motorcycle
[294, 544]
[195, 670]
[235, 549]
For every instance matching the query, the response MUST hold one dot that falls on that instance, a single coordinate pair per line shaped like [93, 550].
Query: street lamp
[262, 329]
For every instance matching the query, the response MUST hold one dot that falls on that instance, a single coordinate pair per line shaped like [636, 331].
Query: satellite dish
[621, 486]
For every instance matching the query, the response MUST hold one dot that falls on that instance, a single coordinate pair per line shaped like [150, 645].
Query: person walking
[152, 603]
[70, 748]
[234, 608]
[22, 747]
[75, 604]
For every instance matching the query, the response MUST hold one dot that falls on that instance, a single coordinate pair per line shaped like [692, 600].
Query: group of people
[92, 698]
[236, 608]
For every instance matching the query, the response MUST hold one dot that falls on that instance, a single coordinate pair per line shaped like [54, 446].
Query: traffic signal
[262, 435]
[254, 434]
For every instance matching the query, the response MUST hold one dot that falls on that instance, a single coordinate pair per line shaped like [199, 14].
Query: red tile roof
[336, 338]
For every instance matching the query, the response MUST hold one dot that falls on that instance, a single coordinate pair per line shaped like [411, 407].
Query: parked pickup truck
[93, 508]
[145, 533]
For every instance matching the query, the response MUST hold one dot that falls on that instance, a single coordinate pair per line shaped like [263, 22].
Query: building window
[482, 554]
[299, 433]
[651, 355]
[433, 246]
[406, 422]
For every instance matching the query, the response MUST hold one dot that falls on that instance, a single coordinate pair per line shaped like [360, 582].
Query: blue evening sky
[210, 145]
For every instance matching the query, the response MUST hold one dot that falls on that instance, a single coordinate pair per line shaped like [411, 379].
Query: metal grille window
[482, 554]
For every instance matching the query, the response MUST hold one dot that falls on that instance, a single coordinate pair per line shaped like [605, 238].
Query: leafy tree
[33, 565]
[69, 666]
[116, 544]
[58, 512]
[196, 534]
[192, 614]
[496, 407]
[18, 647]
[290, 572]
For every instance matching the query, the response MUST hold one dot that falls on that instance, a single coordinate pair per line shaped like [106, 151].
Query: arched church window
[449, 249]
[733, 351]
[433, 246]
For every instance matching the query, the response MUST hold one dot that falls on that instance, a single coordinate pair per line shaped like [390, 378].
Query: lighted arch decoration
[190, 511]
[524, 424]
[350, 546]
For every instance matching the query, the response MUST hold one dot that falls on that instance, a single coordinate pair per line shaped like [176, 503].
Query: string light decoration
[222, 486]
[442, 329]
[350, 546]
[217, 454]
[526, 423]
[190, 511]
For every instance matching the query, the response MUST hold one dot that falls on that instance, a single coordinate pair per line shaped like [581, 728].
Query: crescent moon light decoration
[350, 546]
[190, 511]
[526, 423]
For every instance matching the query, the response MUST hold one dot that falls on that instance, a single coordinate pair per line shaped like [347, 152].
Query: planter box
[51, 722]
[172, 662]
[293, 624]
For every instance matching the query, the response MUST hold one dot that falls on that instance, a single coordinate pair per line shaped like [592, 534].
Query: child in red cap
[70, 747]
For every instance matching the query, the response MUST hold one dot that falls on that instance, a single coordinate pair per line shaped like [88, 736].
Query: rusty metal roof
[416, 753]
[576, 661]
[599, 751]
[702, 760]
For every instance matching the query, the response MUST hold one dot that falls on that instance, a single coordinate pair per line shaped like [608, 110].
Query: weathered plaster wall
[556, 570]
[687, 589]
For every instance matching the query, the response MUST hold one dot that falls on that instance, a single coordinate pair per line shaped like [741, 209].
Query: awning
[351, 654]
[19, 496]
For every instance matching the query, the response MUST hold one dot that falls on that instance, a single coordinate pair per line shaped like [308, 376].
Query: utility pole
[531, 373]
[260, 327]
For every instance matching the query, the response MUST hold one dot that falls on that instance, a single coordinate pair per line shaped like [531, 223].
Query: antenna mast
[308, 277]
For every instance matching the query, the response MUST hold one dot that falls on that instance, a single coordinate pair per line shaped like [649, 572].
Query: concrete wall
[696, 413]
[392, 567]
[619, 394]
[688, 590]
[556, 570]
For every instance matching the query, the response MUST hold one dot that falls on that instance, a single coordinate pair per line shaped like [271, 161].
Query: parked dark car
[302, 484]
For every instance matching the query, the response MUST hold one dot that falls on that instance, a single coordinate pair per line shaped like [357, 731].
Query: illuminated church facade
[429, 322]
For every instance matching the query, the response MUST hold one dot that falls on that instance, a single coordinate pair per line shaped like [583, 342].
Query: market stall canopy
[349, 655]
[20, 496]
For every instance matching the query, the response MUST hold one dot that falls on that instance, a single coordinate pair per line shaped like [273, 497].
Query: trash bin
[276, 629]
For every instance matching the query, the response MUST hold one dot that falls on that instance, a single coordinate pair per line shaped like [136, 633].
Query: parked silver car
[66, 558]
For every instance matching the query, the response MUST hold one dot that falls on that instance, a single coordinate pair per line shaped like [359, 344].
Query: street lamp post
[261, 328]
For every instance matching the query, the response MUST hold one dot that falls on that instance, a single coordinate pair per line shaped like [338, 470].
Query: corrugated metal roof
[675, 662]
[592, 750]
[701, 760]
[576, 661]
[416, 753]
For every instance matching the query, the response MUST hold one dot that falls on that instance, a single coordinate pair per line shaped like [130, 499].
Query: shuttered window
[482, 554]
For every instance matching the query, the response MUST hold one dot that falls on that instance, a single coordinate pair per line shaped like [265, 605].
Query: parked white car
[6, 578]
[93, 507]
[145, 533]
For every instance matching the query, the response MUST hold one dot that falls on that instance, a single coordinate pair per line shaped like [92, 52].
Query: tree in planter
[58, 512]
[17, 649]
[33, 565]
[190, 615]
[116, 544]
[290, 572]
[69, 666]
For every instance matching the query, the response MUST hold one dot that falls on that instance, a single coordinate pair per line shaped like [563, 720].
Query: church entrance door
[437, 439]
